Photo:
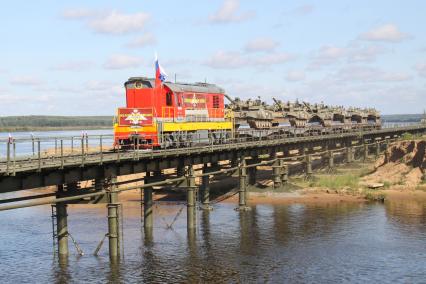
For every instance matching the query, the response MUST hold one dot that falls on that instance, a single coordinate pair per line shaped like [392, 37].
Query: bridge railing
[48, 146]
[33, 146]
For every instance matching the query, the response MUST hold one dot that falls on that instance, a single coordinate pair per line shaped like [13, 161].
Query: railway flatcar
[165, 114]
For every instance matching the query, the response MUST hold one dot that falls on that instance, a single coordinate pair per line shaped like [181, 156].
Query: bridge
[64, 162]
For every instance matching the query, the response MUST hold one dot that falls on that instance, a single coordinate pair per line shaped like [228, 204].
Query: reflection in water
[340, 242]
[149, 236]
[60, 271]
[407, 212]
[114, 272]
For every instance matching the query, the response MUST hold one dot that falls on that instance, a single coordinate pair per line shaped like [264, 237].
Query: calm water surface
[342, 242]
[24, 145]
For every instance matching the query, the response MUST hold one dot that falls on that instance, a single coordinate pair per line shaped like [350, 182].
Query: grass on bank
[345, 180]
[336, 181]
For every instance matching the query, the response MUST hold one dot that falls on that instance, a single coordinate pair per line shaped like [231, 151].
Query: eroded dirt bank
[401, 167]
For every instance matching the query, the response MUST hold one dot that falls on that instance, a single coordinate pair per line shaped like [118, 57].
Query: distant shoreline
[52, 123]
[52, 128]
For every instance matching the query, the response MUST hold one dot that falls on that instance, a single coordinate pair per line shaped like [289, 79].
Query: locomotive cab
[170, 114]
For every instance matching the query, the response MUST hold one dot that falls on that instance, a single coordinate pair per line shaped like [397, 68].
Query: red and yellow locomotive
[165, 114]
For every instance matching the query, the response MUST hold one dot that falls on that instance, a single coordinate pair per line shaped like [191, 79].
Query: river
[26, 147]
[339, 242]
[295, 243]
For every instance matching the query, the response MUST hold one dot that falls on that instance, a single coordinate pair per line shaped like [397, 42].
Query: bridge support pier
[98, 184]
[113, 226]
[72, 186]
[284, 173]
[348, 154]
[330, 160]
[251, 173]
[365, 151]
[148, 218]
[205, 190]
[308, 162]
[386, 156]
[242, 193]
[276, 172]
[302, 150]
[190, 199]
[214, 166]
[180, 171]
[62, 229]
[377, 149]
[61, 223]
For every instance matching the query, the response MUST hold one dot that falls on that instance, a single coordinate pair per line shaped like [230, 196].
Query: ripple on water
[271, 243]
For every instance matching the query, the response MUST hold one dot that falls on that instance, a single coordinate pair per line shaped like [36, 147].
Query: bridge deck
[31, 164]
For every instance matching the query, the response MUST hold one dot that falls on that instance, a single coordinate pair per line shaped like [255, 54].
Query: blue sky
[72, 57]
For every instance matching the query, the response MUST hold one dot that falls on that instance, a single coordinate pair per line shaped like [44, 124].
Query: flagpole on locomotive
[160, 77]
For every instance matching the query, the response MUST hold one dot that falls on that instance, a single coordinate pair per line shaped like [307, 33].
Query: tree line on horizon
[402, 117]
[41, 121]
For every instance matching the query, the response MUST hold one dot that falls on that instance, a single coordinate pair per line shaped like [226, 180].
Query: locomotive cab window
[215, 101]
[169, 100]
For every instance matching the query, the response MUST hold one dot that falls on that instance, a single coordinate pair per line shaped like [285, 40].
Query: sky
[73, 57]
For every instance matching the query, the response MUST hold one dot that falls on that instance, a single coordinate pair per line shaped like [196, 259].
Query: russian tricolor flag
[160, 74]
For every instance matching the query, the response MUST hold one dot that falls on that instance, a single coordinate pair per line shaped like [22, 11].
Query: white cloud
[9, 98]
[261, 44]
[327, 54]
[57, 89]
[121, 61]
[365, 74]
[118, 23]
[228, 13]
[142, 41]
[364, 53]
[73, 66]
[249, 90]
[330, 52]
[26, 80]
[177, 62]
[227, 60]
[295, 75]
[354, 52]
[421, 69]
[271, 59]
[234, 60]
[397, 97]
[103, 86]
[108, 22]
[304, 9]
[386, 33]
[77, 13]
